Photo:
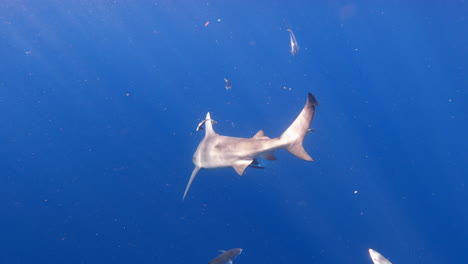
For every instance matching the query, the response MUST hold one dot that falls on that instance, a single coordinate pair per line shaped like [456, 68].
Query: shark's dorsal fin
[240, 166]
[208, 125]
[194, 173]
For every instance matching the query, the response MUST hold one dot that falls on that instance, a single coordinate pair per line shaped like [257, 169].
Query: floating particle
[228, 84]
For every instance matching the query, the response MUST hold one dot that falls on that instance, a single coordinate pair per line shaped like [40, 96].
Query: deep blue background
[99, 101]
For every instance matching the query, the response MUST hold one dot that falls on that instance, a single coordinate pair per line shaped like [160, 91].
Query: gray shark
[226, 256]
[216, 151]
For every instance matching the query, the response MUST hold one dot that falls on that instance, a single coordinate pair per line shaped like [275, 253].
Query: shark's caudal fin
[294, 135]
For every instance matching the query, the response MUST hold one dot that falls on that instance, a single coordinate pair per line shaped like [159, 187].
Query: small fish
[228, 84]
[227, 256]
[293, 41]
[377, 258]
[200, 125]
[255, 164]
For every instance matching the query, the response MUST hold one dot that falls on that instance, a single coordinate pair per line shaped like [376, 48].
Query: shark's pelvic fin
[240, 166]
[194, 173]
[259, 134]
[294, 135]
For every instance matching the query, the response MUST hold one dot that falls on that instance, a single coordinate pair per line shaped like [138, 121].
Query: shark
[217, 151]
[377, 258]
[226, 257]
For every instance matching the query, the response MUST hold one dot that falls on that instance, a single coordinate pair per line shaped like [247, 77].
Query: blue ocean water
[100, 101]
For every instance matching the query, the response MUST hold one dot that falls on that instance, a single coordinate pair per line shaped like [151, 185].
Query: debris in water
[228, 84]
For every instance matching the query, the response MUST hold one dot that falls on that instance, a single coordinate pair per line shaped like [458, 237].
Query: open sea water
[100, 101]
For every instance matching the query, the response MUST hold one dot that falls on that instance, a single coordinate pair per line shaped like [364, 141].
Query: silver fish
[200, 125]
[293, 41]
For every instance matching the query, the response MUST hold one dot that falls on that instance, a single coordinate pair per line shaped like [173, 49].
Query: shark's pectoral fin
[240, 166]
[194, 172]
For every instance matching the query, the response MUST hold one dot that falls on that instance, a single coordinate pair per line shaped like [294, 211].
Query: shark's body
[227, 256]
[216, 151]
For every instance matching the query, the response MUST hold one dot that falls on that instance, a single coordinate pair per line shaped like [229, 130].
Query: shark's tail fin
[294, 135]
